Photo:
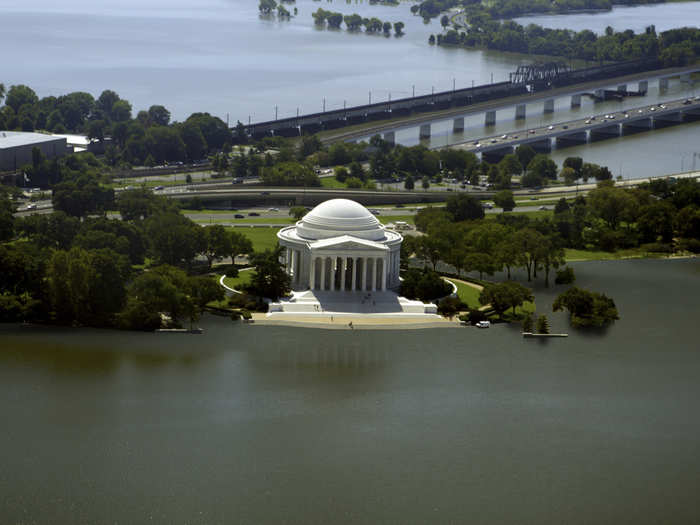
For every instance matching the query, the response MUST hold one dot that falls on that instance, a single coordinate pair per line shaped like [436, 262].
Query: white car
[550, 128]
[483, 324]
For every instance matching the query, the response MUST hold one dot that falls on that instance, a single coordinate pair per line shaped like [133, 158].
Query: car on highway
[504, 137]
[159, 188]
[550, 128]
[687, 101]
[274, 209]
[253, 214]
[542, 208]
[565, 126]
[487, 206]
[493, 141]
[31, 206]
[588, 121]
[531, 131]
[239, 216]
[264, 193]
[238, 180]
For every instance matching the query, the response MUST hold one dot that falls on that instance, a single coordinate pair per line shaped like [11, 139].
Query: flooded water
[254, 424]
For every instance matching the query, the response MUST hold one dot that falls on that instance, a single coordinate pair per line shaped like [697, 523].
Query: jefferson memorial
[341, 260]
[341, 246]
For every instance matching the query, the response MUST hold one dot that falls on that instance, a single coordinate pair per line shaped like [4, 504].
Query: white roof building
[340, 246]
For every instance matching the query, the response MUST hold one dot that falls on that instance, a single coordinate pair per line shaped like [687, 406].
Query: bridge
[520, 84]
[589, 129]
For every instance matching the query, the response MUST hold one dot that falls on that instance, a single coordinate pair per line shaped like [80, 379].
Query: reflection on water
[271, 424]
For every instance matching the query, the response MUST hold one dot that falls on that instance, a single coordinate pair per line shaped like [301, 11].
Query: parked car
[253, 214]
[238, 216]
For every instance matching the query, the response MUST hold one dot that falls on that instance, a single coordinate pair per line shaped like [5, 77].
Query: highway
[572, 131]
[364, 130]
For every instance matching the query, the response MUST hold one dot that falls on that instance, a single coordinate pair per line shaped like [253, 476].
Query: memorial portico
[341, 247]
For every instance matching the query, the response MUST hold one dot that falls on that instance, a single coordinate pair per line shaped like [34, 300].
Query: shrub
[475, 315]
[657, 247]
[449, 307]
[565, 276]
[424, 285]
[690, 245]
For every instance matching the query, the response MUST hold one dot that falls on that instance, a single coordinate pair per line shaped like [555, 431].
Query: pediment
[346, 242]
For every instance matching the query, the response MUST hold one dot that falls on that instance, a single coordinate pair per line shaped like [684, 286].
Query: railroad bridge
[521, 82]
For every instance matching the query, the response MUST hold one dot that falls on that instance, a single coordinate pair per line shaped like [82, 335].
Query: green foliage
[297, 212]
[289, 174]
[270, 279]
[463, 207]
[586, 308]
[175, 239]
[504, 199]
[449, 307]
[502, 296]
[527, 323]
[542, 325]
[424, 285]
[565, 276]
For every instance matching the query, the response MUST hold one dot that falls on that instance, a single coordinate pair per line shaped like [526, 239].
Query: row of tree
[355, 22]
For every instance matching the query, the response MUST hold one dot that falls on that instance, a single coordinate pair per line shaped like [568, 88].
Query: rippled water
[254, 424]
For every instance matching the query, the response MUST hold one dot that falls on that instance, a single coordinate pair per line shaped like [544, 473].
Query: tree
[158, 115]
[270, 279]
[409, 184]
[504, 199]
[542, 325]
[7, 220]
[502, 296]
[463, 207]
[106, 101]
[19, 95]
[525, 154]
[121, 111]
[398, 28]
[586, 308]
[267, 6]
[297, 212]
[217, 243]
[81, 196]
[240, 244]
[527, 323]
[444, 21]
[575, 163]
[569, 175]
[164, 144]
[424, 285]
[175, 239]
[510, 165]
[613, 205]
[425, 183]
[195, 145]
[542, 167]
[289, 174]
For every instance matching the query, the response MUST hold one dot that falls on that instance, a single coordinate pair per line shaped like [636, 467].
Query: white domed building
[339, 246]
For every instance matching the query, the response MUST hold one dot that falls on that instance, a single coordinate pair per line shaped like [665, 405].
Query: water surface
[254, 424]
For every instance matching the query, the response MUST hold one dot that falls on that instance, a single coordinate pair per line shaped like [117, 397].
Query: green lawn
[599, 255]
[244, 277]
[205, 219]
[386, 219]
[467, 294]
[332, 183]
[262, 238]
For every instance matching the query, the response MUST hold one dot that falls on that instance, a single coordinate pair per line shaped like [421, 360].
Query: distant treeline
[513, 8]
[355, 22]
[675, 47]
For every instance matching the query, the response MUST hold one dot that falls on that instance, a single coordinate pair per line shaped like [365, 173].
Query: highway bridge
[391, 109]
[589, 129]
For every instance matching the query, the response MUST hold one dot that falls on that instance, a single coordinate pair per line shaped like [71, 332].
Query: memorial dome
[336, 217]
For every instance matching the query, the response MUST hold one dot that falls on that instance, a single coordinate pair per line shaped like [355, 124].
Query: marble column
[312, 273]
[343, 269]
[364, 273]
[375, 269]
[385, 273]
[323, 274]
[354, 273]
[334, 262]
[289, 262]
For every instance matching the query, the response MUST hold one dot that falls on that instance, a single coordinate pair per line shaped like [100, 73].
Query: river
[254, 424]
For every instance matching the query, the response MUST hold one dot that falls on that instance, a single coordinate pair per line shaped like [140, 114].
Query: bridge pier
[605, 132]
[542, 146]
[424, 132]
[599, 94]
[490, 118]
[390, 137]
[520, 111]
[643, 86]
[637, 125]
[495, 156]
[663, 83]
[571, 139]
[622, 88]
[691, 115]
[458, 124]
[575, 101]
[685, 77]
[668, 119]
[549, 105]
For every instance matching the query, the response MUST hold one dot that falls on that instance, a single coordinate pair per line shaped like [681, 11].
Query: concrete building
[16, 148]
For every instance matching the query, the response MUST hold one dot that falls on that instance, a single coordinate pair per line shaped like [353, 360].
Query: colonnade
[342, 272]
[348, 273]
